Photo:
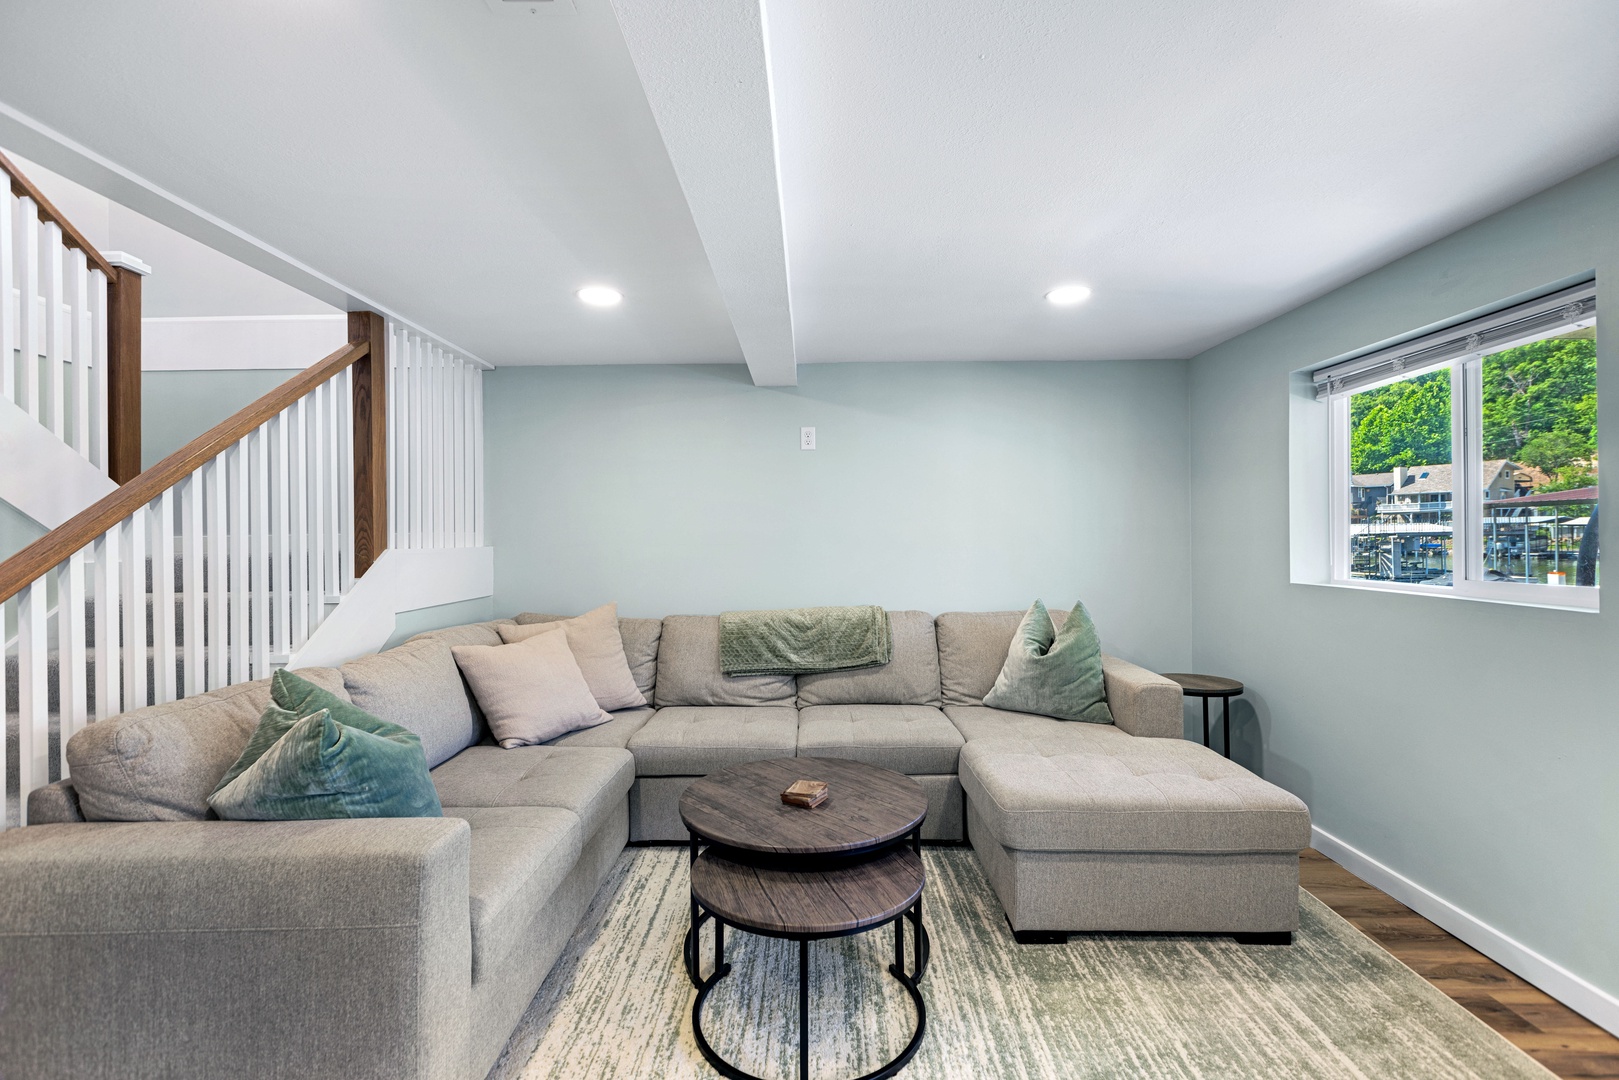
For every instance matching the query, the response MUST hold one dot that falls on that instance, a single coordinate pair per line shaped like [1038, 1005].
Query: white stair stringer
[44, 477]
[402, 579]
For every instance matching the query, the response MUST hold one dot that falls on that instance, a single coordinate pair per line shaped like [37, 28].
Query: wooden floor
[1551, 1033]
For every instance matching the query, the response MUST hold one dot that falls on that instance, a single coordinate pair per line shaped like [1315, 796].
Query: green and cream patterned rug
[618, 1004]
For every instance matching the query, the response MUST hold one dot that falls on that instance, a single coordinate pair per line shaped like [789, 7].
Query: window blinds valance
[1575, 305]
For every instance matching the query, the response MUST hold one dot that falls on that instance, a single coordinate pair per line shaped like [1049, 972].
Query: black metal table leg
[1226, 708]
[803, 1009]
[1205, 726]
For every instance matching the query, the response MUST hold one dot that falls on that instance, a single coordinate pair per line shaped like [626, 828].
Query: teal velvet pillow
[293, 697]
[319, 768]
[1051, 673]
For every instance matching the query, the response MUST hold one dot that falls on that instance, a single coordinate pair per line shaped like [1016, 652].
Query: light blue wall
[177, 406]
[1473, 748]
[407, 624]
[936, 486]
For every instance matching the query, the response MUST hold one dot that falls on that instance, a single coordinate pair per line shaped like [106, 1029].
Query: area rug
[1334, 1004]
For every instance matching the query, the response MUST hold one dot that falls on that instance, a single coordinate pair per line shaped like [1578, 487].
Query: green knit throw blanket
[798, 641]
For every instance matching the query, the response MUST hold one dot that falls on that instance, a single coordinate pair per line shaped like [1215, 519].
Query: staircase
[348, 494]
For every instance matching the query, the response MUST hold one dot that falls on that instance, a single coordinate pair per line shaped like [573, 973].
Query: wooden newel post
[124, 367]
[370, 439]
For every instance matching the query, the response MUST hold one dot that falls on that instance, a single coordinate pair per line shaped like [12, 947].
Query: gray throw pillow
[1051, 673]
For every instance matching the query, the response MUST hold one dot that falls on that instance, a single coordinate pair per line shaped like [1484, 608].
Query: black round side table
[1210, 686]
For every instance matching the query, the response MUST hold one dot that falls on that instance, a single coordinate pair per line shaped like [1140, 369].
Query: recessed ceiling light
[600, 295]
[1064, 295]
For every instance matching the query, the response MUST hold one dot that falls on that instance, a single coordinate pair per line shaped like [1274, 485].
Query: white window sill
[1508, 593]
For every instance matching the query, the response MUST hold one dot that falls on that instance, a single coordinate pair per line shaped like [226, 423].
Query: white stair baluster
[33, 694]
[28, 310]
[132, 602]
[236, 566]
[164, 688]
[334, 490]
[98, 367]
[191, 560]
[82, 330]
[105, 610]
[257, 447]
[298, 532]
[72, 671]
[316, 475]
[477, 458]
[281, 587]
[217, 593]
[55, 345]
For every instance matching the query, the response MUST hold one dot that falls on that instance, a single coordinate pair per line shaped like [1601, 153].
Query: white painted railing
[435, 444]
[241, 545]
[53, 330]
[217, 580]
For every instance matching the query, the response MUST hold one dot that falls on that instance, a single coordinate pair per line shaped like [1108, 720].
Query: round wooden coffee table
[805, 874]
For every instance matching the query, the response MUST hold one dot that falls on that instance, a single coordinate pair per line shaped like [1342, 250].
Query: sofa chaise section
[1124, 826]
[1083, 828]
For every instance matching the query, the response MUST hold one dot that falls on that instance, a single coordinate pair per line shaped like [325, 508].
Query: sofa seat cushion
[616, 732]
[160, 763]
[689, 741]
[689, 669]
[910, 678]
[517, 858]
[589, 781]
[982, 722]
[912, 739]
[417, 686]
[1090, 787]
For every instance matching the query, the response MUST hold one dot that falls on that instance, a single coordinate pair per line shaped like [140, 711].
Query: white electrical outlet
[806, 438]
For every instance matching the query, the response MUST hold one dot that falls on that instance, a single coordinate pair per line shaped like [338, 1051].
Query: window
[1465, 462]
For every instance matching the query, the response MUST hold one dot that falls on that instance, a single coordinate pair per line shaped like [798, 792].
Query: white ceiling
[1204, 166]
[937, 165]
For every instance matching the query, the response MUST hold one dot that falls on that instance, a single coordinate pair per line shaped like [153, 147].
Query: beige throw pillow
[599, 649]
[531, 691]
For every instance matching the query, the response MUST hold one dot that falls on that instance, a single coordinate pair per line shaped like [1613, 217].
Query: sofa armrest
[54, 803]
[1143, 703]
[192, 949]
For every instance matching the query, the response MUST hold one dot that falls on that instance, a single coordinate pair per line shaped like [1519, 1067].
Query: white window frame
[1467, 498]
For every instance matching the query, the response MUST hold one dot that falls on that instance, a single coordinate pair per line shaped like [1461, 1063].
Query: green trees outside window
[1540, 409]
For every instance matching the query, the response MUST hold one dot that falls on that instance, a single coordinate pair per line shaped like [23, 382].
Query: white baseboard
[1590, 1001]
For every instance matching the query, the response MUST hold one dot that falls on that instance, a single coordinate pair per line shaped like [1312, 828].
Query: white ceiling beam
[706, 75]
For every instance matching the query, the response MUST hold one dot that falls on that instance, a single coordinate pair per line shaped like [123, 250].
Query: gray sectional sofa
[138, 938]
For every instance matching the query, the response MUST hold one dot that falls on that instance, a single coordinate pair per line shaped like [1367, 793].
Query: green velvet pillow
[319, 768]
[293, 697]
[1051, 673]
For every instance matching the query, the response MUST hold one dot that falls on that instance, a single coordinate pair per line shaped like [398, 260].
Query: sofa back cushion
[689, 669]
[972, 650]
[640, 637]
[910, 678]
[418, 687]
[162, 762]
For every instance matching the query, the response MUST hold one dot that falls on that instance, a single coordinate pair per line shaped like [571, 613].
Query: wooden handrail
[22, 186]
[35, 560]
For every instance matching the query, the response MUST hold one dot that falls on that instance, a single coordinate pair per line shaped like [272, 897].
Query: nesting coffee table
[850, 865]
